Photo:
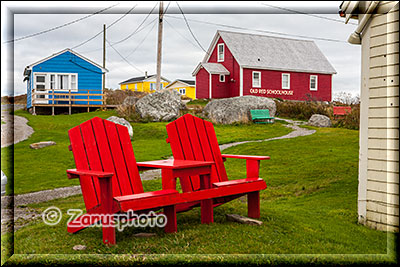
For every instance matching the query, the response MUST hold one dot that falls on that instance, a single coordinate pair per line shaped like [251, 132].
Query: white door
[40, 87]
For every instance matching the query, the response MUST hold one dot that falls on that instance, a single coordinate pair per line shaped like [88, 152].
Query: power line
[311, 15]
[183, 36]
[123, 57]
[130, 35]
[60, 26]
[117, 20]
[90, 51]
[263, 31]
[133, 51]
[187, 24]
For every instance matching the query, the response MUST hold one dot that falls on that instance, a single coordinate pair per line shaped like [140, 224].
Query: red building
[238, 64]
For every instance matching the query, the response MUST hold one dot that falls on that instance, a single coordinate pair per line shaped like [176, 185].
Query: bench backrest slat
[102, 145]
[259, 113]
[193, 138]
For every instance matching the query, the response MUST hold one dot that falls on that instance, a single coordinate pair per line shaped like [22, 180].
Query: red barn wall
[271, 85]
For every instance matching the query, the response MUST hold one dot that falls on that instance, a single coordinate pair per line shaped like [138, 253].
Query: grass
[42, 169]
[309, 214]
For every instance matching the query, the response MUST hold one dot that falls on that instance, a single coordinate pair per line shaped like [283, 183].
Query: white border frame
[223, 52]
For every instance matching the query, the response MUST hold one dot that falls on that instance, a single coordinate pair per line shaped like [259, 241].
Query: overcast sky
[181, 53]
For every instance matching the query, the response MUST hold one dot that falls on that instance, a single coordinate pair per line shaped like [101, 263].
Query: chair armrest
[74, 173]
[247, 157]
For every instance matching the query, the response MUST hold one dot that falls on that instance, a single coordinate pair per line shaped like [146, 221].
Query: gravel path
[23, 215]
[15, 128]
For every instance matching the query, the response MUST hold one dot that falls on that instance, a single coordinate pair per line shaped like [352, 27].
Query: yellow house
[184, 87]
[143, 83]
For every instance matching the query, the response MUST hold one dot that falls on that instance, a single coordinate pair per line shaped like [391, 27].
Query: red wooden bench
[341, 110]
[192, 138]
[110, 181]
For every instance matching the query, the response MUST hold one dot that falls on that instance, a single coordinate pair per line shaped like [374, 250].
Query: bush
[302, 110]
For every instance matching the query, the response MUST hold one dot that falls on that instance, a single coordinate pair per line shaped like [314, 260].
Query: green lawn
[309, 214]
[42, 169]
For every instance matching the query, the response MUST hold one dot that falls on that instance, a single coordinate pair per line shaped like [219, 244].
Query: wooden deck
[56, 99]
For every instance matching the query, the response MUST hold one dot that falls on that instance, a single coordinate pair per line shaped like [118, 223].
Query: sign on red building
[238, 64]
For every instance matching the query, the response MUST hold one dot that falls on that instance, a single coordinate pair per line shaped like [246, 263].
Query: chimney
[145, 74]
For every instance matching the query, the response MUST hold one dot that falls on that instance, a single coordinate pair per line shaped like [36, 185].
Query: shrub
[302, 110]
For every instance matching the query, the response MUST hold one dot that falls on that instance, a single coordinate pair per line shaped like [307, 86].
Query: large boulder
[237, 109]
[122, 122]
[163, 105]
[320, 121]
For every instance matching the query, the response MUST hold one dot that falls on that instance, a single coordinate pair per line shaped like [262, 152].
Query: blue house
[63, 73]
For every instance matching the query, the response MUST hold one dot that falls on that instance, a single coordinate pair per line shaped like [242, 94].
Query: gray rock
[320, 121]
[79, 247]
[122, 122]
[237, 109]
[242, 219]
[163, 105]
[42, 144]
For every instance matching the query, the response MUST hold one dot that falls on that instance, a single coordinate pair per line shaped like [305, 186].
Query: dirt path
[15, 128]
[23, 215]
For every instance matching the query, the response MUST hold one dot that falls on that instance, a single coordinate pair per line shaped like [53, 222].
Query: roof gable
[275, 53]
[182, 82]
[60, 53]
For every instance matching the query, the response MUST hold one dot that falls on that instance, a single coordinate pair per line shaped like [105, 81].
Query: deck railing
[53, 98]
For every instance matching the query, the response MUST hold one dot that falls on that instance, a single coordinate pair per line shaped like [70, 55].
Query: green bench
[261, 116]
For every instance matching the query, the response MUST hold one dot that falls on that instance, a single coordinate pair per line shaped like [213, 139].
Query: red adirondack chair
[192, 138]
[110, 181]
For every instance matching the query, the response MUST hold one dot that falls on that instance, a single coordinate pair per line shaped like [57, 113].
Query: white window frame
[135, 86]
[182, 91]
[221, 59]
[288, 85]
[153, 86]
[56, 85]
[222, 78]
[316, 82]
[259, 75]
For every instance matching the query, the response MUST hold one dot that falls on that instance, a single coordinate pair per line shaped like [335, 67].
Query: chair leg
[253, 204]
[170, 212]
[107, 220]
[207, 212]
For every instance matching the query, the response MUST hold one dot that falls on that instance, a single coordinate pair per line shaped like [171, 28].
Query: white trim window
[135, 87]
[222, 78]
[256, 79]
[182, 91]
[221, 52]
[285, 81]
[313, 82]
[57, 81]
[40, 84]
[152, 86]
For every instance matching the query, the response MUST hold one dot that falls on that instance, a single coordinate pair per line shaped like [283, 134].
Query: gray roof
[276, 53]
[213, 68]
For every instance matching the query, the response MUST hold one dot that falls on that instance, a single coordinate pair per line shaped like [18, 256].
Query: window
[152, 86]
[285, 81]
[256, 79]
[313, 83]
[222, 78]
[126, 87]
[73, 82]
[52, 81]
[182, 91]
[63, 81]
[220, 52]
[161, 86]
[135, 87]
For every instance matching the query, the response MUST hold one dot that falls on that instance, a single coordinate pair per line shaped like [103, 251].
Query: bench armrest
[74, 173]
[247, 157]
[252, 163]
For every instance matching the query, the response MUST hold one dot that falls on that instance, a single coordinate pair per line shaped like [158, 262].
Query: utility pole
[159, 45]
[104, 56]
